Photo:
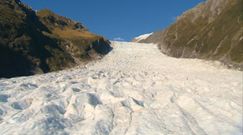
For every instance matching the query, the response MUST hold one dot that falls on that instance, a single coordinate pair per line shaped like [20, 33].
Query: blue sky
[123, 19]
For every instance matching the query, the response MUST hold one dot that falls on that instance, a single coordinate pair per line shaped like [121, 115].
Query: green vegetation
[33, 43]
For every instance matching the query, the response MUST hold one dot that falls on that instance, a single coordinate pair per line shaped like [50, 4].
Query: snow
[142, 37]
[134, 90]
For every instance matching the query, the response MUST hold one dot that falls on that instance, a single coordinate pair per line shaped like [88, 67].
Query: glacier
[134, 90]
[142, 37]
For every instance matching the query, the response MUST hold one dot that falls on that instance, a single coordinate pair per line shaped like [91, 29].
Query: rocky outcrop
[213, 30]
[40, 42]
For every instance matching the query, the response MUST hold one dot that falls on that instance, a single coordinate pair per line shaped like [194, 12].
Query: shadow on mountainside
[40, 42]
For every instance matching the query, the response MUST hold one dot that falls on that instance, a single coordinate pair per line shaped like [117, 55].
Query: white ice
[142, 37]
[134, 90]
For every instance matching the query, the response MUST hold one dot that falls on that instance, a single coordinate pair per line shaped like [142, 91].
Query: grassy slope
[22, 44]
[216, 40]
[79, 40]
[31, 43]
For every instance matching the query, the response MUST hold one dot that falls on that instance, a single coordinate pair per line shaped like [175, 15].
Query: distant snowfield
[134, 90]
[142, 37]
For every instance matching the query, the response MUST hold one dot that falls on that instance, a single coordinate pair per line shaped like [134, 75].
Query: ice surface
[134, 90]
[142, 37]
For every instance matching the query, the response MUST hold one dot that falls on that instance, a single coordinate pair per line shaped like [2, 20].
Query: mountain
[40, 42]
[213, 30]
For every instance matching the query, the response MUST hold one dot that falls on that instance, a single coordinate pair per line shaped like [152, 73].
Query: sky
[118, 19]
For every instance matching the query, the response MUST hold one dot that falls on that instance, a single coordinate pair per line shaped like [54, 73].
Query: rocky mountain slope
[134, 90]
[41, 42]
[212, 30]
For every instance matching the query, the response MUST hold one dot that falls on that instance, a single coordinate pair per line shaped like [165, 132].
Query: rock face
[39, 42]
[212, 30]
